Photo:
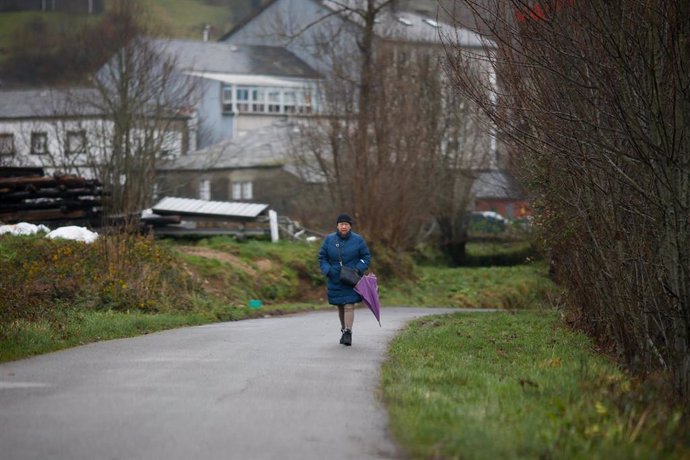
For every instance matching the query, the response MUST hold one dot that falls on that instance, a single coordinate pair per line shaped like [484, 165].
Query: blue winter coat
[354, 253]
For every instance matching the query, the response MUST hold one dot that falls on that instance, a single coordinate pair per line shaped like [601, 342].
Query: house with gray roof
[498, 191]
[243, 87]
[311, 28]
[63, 130]
[238, 88]
[262, 165]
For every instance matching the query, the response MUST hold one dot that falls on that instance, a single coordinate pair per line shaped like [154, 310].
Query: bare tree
[393, 139]
[594, 100]
[145, 103]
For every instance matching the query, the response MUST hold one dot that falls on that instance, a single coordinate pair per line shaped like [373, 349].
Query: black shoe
[342, 337]
[347, 338]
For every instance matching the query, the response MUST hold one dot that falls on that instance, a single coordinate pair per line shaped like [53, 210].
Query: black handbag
[348, 276]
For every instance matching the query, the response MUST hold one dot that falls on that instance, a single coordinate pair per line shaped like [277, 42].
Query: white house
[313, 29]
[56, 130]
[243, 87]
[240, 88]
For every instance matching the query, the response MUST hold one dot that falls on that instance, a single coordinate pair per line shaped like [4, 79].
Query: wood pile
[29, 196]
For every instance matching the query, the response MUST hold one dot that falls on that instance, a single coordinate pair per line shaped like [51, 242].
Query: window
[6, 144]
[258, 104]
[75, 142]
[274, 101]
[236, 191]
[242, 190]
[227, 98]
[205, 189]
[39, 143]
[243, 99]
[289, 102]
[252, 99]
[247, 190]
[305, 102]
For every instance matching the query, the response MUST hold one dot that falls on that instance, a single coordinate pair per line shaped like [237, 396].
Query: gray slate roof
[262, 147]
[496, 185]
[46, 102]
[408, 26]
[404, 26]
[235, 59]
[271, 146]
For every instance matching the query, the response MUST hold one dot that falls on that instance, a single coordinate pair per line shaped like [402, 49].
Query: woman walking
[343, 248]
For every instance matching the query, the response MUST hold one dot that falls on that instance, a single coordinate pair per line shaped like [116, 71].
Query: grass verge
[517, 287]
[501, 385]
[73, 327]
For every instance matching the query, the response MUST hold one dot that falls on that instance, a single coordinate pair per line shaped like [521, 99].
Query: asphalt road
[275, 388]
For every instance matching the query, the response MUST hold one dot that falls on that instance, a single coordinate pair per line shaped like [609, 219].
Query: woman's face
[343, 228]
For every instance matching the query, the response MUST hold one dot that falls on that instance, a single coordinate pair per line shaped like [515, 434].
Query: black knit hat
[344, 218]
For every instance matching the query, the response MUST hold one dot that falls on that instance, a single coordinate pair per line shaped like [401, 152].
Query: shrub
[120, 272]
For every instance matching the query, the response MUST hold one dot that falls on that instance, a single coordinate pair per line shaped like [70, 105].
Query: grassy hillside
[187, 18]
[175, 18]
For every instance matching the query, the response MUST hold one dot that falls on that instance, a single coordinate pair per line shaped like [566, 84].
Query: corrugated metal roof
[188, 206]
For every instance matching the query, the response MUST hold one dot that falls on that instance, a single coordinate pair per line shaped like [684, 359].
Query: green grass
[187, 18]
[499, 253]
[73, 327]
[125, 285]
[518, 386]
[22, 338]
[176, 18]
[10, 23]
[468, 386]
[517, 287]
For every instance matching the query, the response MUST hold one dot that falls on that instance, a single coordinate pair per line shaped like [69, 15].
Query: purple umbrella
[368, 288]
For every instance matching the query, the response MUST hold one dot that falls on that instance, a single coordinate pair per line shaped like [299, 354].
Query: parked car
[487, 222]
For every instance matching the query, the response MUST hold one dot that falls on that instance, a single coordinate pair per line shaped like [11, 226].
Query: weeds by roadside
[519, 386]
[57, 291]
[517, 287]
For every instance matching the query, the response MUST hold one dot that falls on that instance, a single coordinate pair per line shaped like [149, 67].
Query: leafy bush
[118, 272]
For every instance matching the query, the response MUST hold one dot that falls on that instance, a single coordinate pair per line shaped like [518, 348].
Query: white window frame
[247, 190]
[80, 137]
[290, 101]
[39, 143]
[7, 144]
[227, 98]
[258, 98]
[273, 100]
[242, 98]
[242, 190]
[266, 100]
[205, 189]
[236, 190]
[304, 101]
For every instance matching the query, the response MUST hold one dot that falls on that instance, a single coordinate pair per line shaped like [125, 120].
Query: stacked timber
[38, 198]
